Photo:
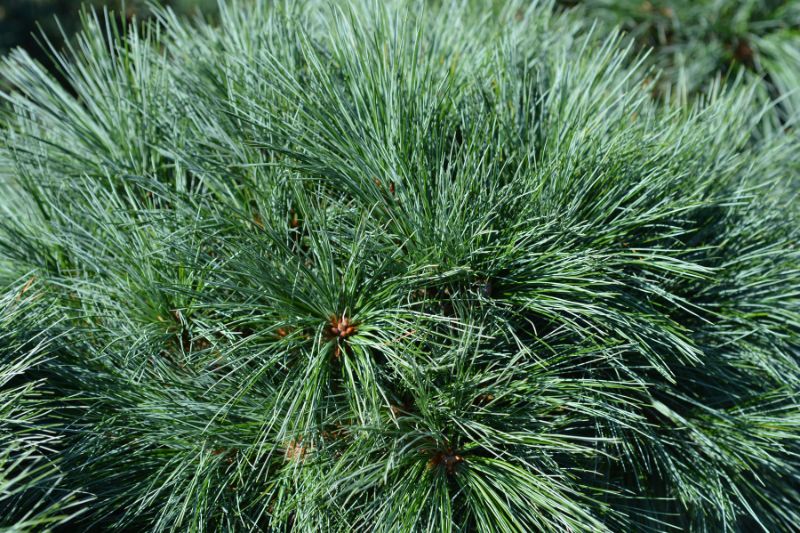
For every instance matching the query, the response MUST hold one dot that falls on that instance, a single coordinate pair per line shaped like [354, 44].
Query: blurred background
[21, 20]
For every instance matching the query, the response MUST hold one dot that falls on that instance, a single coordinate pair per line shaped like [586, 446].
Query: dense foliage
[395, 267]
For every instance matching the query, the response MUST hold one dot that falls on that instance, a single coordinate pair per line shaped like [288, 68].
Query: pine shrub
[391, 266]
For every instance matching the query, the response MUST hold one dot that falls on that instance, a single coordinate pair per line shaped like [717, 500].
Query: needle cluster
[391, 266]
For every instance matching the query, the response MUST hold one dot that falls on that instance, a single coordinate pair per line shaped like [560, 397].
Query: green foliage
[25, 437]
[395, 267]
[697, 40]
